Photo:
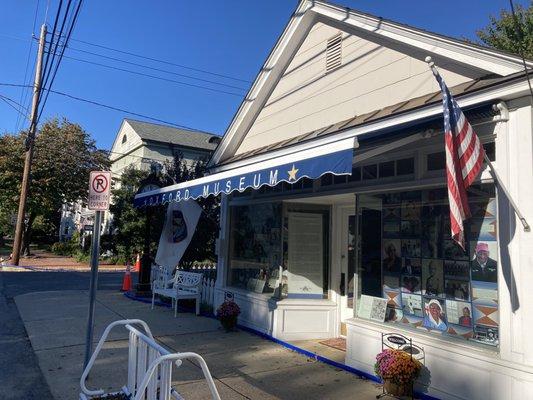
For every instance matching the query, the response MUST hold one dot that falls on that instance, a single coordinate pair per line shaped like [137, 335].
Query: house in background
[142, 145]
[334, 217]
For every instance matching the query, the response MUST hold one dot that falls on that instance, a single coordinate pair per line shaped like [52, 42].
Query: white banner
[179, 227]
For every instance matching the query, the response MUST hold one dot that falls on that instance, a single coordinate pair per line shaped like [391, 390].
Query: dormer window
[124, 139]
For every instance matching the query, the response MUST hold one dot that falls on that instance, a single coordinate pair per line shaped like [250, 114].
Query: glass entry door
[360, 254]
[347, 259]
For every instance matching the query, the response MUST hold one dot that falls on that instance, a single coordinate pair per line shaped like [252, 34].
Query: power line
[120, 110]
[155, 77]
[9, 102]
[65, 44]
[53, 53]
[105, 106]
[56, 20]
[521, 48]
[161, 61]
[156, 69]
[23, 92]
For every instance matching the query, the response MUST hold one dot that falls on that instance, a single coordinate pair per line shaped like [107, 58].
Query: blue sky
[229, 37]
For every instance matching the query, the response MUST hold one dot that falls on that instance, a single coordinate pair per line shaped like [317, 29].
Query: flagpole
[492, 170]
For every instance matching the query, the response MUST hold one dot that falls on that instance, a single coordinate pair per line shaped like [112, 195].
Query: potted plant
[398, 370]
[227, 313]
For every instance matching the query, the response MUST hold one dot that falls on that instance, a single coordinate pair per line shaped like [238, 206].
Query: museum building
[334, 206]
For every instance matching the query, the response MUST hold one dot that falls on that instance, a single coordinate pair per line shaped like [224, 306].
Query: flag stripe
[464, 161]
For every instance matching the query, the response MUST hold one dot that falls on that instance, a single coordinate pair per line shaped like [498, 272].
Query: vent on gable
[334, 52]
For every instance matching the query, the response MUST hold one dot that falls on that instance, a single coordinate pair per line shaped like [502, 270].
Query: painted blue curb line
[287, 345]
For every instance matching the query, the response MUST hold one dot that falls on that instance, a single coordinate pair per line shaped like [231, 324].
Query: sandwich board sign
[99, 190]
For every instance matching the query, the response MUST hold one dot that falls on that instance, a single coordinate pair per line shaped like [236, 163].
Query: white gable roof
[479, 60]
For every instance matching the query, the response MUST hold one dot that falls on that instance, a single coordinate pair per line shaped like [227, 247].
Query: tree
[507, 34]
[128, 222]
[63, 158]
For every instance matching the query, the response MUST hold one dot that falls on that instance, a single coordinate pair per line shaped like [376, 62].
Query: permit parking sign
[99, 188]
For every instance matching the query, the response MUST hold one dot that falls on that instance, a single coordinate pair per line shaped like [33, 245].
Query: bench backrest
[188, 279]
[160, 277]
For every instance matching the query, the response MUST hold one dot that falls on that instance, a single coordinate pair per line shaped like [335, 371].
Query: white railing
[208, 291]
[149, 367]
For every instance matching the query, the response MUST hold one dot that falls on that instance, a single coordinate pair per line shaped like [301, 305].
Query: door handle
[342, 288]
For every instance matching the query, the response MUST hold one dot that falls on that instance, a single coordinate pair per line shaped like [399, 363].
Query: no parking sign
[99, 188]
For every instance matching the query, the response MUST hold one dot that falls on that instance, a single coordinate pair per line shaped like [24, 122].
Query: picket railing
[208, 291]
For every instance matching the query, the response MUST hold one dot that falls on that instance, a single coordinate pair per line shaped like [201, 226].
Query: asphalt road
[20, 376]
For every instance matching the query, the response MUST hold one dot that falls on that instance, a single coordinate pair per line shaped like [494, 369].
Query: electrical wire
[521, 48]
[155, 77]
[106, 106]
[155, 69]
[11, 103]
[23, 92]
[65, 44]
[47, 54]
[53, 53]
[161, 61]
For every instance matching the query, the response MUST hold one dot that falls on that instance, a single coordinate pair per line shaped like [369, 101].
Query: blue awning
[335, 158]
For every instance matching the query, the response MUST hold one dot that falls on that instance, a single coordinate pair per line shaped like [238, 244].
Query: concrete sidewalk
[244, 365]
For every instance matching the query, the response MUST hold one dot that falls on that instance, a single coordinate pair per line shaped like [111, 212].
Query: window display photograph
[411, 284]
[484, 264]
[427, 278]
[392, 262]
[459, 313]
[434, 314]
[432, 278]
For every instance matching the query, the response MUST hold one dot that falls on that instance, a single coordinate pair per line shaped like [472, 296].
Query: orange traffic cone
[126, 283]
[137, 267]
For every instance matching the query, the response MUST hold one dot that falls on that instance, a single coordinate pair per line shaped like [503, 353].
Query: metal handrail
[101, 342]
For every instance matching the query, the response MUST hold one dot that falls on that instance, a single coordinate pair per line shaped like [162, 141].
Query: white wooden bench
[183, 285]
[149, 367]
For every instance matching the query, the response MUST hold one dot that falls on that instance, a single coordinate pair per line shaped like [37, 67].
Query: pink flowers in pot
[227, 313]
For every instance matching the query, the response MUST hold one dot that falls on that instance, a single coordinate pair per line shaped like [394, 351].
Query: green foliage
[129, 228]
[82, 256]
[64, 155]
[504, 33]
[67, 248]
[129, 223]
[62, 248]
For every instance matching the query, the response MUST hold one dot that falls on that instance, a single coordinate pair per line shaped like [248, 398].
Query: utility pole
[29, 149]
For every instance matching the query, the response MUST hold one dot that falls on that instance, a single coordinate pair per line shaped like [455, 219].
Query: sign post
[99, 188]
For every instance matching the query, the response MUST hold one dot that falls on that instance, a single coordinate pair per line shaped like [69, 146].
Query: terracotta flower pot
[228, 323]
[395, 389]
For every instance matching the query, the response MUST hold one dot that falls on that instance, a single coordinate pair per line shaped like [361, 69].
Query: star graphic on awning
[292, 173]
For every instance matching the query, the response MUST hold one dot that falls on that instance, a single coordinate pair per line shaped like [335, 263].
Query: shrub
[62, 248]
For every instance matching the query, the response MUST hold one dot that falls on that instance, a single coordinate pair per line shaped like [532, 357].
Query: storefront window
[305, 251]
[255, 247]
[429, 282]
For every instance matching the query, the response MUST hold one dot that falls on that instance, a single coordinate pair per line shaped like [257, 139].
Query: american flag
[464, 161]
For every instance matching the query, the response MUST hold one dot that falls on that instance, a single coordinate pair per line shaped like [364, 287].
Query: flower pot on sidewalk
[227, 313]
[228, 323]
[399, 370]
[396, 389]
